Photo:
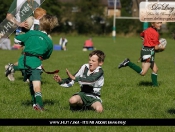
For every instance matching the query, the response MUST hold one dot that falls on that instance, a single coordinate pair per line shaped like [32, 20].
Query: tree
[5, 5]
[53, 7]
[88, 20]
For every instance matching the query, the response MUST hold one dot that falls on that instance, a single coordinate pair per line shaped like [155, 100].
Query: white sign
[157, 11]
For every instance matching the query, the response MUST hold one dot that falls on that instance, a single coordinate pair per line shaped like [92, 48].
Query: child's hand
[57, 78]
[24, 24]
[70, 75]
[159, 48]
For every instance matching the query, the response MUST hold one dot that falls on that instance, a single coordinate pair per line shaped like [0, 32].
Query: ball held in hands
[30, 21]
[163, 43]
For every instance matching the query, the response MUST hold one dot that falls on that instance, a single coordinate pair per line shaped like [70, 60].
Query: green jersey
[37, 45]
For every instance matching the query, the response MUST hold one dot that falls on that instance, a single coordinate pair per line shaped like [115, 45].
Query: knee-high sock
[135, 67]
[154, 79]
[38, 98]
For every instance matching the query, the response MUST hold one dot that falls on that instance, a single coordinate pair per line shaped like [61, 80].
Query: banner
[23, 9]
[87, 122]
[157, 11]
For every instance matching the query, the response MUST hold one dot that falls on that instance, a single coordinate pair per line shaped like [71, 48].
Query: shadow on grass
[144, 83]
[19, 78]
[42, 82]
[171, 111]
[45, 102]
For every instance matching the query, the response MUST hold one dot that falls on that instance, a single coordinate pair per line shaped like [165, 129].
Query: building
[109, 7]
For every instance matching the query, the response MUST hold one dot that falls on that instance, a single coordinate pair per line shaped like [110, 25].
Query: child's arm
[63, 82]
[142, 34]
[70, 75]
[88, 80]
[20, 39]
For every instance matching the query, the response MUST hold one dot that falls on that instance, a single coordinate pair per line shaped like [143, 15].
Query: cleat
[27, 81]
[37, 107]
[34, 105]
[11, 77]
[6, 66]
[9, 71]
[124, 63]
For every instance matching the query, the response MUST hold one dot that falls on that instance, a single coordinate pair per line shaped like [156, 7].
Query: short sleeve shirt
[151, 37]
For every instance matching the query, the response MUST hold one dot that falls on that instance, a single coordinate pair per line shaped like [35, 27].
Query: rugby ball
[30, 21]
[163, 43]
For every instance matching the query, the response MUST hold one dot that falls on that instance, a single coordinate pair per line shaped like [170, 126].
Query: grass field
[125, 94]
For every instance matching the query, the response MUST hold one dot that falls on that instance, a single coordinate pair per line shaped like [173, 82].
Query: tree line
[87, 17]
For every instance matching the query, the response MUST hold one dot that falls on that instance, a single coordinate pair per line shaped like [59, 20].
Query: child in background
[88, 45]
[63, 42]
[91, 79]
[5, 43]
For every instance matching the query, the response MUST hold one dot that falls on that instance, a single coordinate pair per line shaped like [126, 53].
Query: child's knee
[74, 99]
[99, 109]
[143, 73]
[97, 106]
[155, 70]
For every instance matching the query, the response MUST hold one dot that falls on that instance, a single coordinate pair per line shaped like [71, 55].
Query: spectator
[63, 42]
[5, 43]
[88, 45]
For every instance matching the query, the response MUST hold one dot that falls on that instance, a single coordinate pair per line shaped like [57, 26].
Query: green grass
[125, 94]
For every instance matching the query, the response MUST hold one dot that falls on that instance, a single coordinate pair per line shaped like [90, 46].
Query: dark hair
[99, 53]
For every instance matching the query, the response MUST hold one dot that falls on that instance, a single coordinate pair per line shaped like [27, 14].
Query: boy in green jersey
[38, 47]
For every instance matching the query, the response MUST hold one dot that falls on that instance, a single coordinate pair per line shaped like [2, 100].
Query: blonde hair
[39, 12]
[48, 22]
